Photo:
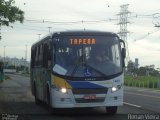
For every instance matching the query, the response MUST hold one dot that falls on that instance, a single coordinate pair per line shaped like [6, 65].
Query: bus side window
[49, 55]
[45, 50]
[41, 55]
[36, 56]
[33, 58]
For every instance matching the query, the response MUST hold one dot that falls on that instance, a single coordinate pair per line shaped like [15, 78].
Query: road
[16, 99]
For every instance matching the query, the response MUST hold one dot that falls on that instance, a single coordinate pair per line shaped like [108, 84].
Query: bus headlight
[63, 90]
[116, 88]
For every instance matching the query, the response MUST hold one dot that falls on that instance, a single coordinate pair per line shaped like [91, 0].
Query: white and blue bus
[71, 69]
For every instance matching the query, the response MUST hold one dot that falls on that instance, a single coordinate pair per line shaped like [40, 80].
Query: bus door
[46, 68]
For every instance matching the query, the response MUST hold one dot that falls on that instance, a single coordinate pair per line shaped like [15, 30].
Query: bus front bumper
[67, 100]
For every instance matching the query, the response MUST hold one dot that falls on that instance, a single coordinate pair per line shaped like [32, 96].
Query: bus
[78, 69]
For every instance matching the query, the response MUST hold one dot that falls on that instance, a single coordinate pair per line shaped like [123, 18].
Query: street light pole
[26, 58]
[0, 30]
[49, 29]
[26, 53]
[4, 57]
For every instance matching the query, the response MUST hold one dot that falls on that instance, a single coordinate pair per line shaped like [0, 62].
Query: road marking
[143, 90]
[132, 104]
[143, 95]
[149, 90]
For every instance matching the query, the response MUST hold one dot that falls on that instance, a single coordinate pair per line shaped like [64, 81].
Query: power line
[31, 28]
[69, 22]
[148, 34]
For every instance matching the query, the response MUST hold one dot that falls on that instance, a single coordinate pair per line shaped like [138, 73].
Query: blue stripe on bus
[83, 84]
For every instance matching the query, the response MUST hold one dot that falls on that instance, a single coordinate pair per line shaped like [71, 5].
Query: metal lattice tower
[0, 29]
[123, 21]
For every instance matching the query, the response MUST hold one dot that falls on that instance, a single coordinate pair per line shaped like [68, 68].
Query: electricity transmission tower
[0, 29]
[123, 22]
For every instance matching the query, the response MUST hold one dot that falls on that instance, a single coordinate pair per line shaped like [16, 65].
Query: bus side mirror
[123, 53]
[123, 56]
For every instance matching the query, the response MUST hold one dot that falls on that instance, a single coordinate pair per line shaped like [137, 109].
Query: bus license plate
[89, 97]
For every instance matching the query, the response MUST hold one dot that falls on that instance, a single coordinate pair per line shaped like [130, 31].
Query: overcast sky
[143, 39]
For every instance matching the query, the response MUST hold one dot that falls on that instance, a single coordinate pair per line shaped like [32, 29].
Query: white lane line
[149, 90]
[157, 97]
[143, 90]
[132, 105]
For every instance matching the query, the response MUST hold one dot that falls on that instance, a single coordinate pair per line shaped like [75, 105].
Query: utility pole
[0, 29]
[49, 29]
[26, 53]
[39, 36]
[123, 22]
[26, 58]
[4, 61]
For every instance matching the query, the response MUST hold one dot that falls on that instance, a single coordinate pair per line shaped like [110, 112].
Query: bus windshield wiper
[77, 65]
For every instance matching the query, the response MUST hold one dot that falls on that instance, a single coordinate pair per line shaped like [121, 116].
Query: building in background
[136, 63]
[15, 63]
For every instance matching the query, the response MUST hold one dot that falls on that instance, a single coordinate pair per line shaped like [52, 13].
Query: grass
[6, 77]
[142, 81]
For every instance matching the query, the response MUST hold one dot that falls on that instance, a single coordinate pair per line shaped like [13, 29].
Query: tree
[10, 13]
[142, 71]
[148, 70]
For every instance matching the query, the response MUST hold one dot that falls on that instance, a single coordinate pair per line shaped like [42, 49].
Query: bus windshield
[87, 56]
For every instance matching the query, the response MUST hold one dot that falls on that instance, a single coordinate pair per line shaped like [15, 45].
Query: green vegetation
[10, 13]
[142, 81]
[6, 77]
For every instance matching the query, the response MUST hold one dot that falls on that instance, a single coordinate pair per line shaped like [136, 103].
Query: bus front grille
[80, 94]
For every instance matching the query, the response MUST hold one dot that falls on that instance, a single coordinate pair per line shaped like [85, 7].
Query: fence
[143, 83]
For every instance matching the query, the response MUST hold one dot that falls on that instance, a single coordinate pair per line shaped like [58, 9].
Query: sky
[143, 38]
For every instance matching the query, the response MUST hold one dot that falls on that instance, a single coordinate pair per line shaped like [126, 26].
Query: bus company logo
[116, 80]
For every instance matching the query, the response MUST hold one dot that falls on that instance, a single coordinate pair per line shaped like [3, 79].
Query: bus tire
[37, 101]
[111, 110]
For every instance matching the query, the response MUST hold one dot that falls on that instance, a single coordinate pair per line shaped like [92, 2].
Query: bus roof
[84, 32]
[76, 33]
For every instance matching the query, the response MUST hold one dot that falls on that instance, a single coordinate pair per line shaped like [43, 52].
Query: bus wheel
[37, 101]
[111, 110]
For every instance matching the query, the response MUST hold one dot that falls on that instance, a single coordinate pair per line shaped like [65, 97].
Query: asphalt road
[143, 98]
[16, 101]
